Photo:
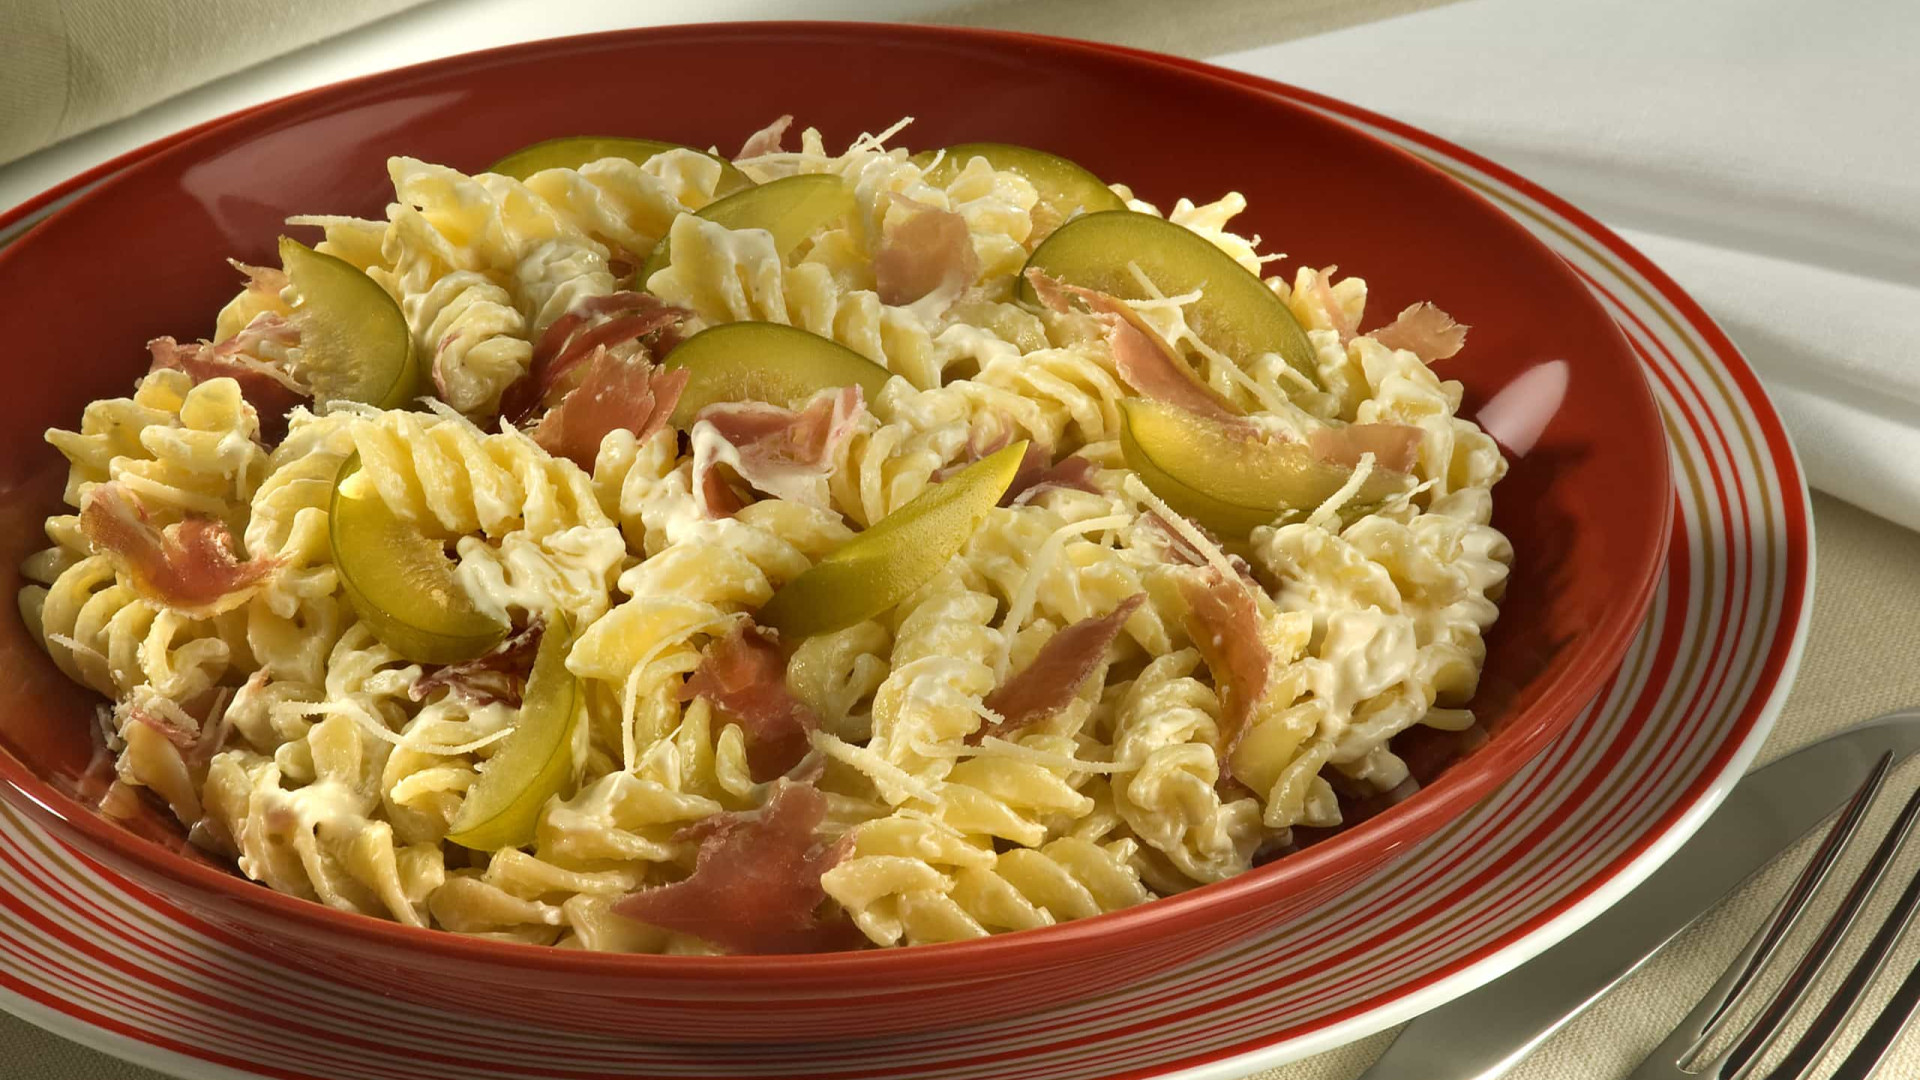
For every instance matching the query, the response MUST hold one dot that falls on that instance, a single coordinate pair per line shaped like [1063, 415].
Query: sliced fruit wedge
[1228, 480]
[354, 342]
[792, 208]
[901, 552]
[1236, 312]
[763, 361]
[535, 761]
[573, 151]
[1065, 187]
[400, 580]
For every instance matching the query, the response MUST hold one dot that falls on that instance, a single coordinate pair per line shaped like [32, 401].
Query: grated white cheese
[1021, 604]
[353, 711]
[896, 784]
[1178, 523]
[995, 746]
[630, 692]
[77, 648]
[1157, 299]
[1330, 510]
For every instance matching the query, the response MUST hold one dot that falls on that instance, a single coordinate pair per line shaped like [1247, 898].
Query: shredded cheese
[1178, 523]
[630, 691]
[76, 647]
[1400, 500]
[1021, 604]
[1330, 510]
[1225, 363]
[896, 784]
[979, 708]
[354, 711]
[995, 746]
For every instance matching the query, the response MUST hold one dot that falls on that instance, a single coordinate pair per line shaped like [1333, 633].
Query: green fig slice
[1236, 312]
[400, 580]
[1065, 187]
[573, 151]
[1228, 480]
[535, 761]
[762, 361]
[792, 208]
[902, 551]
[354, 342]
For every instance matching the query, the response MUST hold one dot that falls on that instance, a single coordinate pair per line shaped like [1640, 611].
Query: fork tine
[1739, 979]
[1812, 1046]
[1692, 1032]
[1767, 1028]
[1871, 1051]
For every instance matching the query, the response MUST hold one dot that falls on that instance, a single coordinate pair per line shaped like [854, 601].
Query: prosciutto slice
[1181, 550]
[1051, 681]
[1224, 624]
[500, 675]
[755, 886]
[189, 567]
[777, 451]
[1075, 473]
[1146, 362]
[1425, 331]
[265, 280]
[1393, 446]
[265, 385]
[1336, 315]
[767, 139]
[616, 392]
[570, 341]
[927, 253]
[744, 675]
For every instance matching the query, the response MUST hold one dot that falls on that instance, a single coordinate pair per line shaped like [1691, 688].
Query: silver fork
[1675, 1058]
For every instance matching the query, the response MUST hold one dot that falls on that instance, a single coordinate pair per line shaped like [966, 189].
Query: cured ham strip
[1052, 680]
[572, 338]
[1224, 624]
[1425, 331]
[1075, 473]
[189, 567]
[927, 253]
[265, 280]
[498, 676]
[744, 675]
[196, 727]
[1336, 315]
[778, 451]
[616, 392]
[1144, 360]
[1393, 446]
[1033, 465]
[755, 886]
[1180, 550]
[767, 139]
[263, 383]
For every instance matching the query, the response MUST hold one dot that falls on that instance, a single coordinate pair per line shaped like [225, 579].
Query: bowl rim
[1523, 737]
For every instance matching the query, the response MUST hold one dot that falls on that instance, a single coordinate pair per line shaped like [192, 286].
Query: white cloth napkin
[75, 64]
[1761, 151]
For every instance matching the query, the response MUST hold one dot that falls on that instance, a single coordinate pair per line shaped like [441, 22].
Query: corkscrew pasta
[1119, 679]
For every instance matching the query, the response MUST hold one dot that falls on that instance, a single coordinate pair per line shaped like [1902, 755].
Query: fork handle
[1871, 1052]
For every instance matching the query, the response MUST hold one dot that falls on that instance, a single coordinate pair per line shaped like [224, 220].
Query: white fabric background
[1761, 151]
[1758, 149]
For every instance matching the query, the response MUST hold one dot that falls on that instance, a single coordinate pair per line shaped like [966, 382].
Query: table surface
[1863, 656]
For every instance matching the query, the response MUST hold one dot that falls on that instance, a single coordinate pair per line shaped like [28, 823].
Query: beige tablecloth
[1863, 657]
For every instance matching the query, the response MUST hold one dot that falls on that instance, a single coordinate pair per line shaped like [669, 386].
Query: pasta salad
[629, 548]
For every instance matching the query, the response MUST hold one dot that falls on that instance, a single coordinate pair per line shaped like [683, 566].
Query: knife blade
[1485, 1032]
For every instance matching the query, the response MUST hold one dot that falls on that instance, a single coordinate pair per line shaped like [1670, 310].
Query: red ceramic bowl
[144, 254]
